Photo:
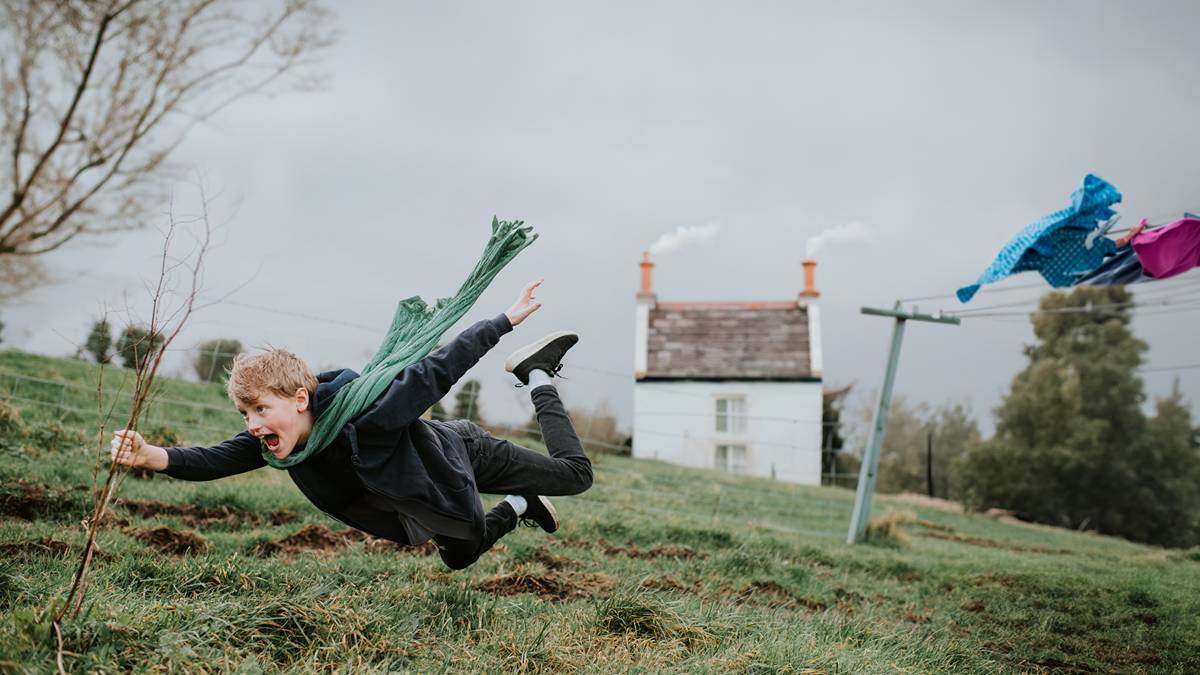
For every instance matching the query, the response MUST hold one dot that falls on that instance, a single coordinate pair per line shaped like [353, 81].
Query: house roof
[729, 341]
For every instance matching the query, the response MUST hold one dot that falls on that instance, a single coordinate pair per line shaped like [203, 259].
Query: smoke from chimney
[670, 242]
[852, 231]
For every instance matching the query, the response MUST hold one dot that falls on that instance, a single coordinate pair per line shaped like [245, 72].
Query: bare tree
[96, 94]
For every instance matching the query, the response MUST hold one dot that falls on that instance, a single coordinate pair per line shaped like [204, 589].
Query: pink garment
[1169, 250]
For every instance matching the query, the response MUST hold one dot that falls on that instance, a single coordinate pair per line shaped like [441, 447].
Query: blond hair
[277, 371]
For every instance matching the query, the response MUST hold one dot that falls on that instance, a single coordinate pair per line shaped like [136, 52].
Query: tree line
[137, 343]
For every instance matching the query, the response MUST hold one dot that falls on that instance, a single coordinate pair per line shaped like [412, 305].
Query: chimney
[646, 301]
[810, 284]
[646, 266]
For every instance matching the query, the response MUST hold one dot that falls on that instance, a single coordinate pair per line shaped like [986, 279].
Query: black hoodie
[389, 472]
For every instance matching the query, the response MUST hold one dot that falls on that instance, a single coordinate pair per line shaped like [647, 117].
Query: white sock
[517, 502]
[538, 378]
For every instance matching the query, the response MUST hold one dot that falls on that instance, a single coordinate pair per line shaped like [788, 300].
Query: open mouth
[272, 441]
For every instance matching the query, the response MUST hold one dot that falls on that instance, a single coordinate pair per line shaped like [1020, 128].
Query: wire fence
[52, 395]
[722, 501]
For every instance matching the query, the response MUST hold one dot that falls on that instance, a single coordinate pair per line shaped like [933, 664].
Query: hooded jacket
[388, 472]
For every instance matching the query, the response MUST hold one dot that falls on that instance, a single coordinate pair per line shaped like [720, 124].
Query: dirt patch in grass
[33, 547]
[670, 584]
[573, 543]
[193, 515]
[553, 585]
[992, 543]
[320, 539]
[171, 542]
[29, 501]
[550, 560]
[664, 551]
[774, 594]
[282, 516]
[376, 544]
[43, 546]
[633, 551]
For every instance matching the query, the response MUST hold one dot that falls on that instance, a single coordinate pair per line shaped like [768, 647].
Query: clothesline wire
[991, 290]
[1034, 307]
[1163, 287]
[1180, 296]
[1187, 366]
[1179, 308]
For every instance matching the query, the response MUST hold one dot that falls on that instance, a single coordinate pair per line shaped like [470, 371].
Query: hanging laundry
[1055, 244]
[1121, 268]
[1169, 250]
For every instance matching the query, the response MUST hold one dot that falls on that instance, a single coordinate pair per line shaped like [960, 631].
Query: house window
[731, 458]
[731, 415]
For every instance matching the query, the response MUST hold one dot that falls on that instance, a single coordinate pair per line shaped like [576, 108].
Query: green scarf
[415, 331]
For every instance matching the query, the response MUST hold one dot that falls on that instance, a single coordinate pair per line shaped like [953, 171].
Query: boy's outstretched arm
[237, 455]
[427, 381]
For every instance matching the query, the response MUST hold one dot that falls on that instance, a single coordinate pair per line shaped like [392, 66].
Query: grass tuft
[885, 530]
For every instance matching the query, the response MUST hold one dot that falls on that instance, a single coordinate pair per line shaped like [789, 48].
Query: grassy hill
[656, 568]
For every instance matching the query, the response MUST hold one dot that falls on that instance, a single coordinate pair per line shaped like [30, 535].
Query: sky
[942, 128]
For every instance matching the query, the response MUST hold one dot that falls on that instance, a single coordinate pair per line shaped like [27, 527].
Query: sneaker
[545, 354]
[539, 511]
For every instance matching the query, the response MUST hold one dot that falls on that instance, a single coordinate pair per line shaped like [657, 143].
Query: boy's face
[281, 422]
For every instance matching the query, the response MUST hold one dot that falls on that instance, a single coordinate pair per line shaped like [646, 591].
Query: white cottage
[734, 386]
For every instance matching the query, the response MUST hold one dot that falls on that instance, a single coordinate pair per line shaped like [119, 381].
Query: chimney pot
[646, 266]
[810, 284]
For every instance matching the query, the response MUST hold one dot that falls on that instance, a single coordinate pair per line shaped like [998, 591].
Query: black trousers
[502, 467]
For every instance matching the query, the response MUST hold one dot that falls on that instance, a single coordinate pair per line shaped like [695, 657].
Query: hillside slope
[656, 567]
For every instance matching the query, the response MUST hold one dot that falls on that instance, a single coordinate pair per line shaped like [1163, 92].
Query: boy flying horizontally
[389, 472]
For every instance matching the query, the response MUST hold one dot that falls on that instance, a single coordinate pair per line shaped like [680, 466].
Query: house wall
[676, 422]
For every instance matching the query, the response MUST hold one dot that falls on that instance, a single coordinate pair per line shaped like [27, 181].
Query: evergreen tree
[214, 359]
[1072, 447]
[99, 342]
[136, 345]
[466, 402]
[1165, 502]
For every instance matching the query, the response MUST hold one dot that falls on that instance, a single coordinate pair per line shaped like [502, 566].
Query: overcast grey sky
[945, 127]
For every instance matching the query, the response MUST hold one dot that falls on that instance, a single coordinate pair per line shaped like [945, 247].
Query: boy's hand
[524, 306]
[130, 449]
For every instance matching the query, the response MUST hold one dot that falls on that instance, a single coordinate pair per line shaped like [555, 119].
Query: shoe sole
[550, 508]
[529, 350]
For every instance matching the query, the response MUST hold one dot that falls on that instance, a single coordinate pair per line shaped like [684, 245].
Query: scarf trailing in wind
[415, 331]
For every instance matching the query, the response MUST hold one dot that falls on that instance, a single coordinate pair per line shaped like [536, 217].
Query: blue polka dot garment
[1054, 245]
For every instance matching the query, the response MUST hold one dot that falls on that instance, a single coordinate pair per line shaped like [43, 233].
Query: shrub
[137, 345]
[214, 358]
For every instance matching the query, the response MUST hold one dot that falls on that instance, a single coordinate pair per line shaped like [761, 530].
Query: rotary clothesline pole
[870, 463]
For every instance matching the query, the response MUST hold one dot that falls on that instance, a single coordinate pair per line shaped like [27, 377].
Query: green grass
[657, 568]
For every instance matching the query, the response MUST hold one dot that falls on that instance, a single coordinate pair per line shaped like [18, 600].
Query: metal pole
[870, 464]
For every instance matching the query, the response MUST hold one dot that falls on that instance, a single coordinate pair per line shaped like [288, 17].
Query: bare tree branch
[165, 325]
[96, 96]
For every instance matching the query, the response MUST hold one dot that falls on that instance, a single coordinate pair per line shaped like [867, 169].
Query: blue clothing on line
[1054, 245]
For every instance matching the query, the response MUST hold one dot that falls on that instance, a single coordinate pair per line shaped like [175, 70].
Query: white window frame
[732, 417]
[724, 458]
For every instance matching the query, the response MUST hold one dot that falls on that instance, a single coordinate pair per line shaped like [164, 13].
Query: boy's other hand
[525, 305]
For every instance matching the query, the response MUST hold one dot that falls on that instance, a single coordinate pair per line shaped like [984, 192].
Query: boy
[390, 473]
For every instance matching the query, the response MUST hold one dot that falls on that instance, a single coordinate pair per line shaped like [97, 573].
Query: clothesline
[1071, 246]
